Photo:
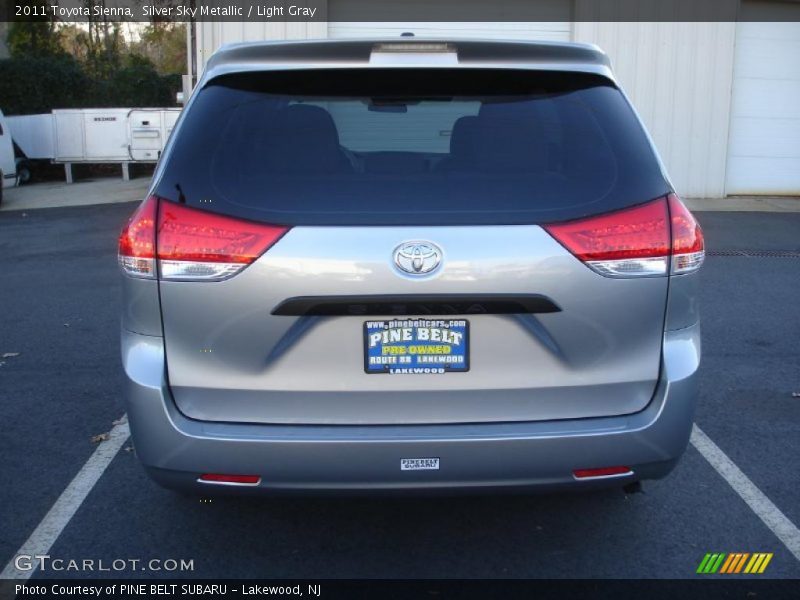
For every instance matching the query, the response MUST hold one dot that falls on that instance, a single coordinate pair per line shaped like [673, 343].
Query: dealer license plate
[416, 346]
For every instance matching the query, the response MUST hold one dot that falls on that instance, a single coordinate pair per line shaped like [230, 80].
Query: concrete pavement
[108, 190]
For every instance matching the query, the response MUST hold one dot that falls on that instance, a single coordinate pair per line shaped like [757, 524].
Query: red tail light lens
[688, 245]
[191, 244]
[635, 242]
[137, 242]
[636, 232]
[195, 244]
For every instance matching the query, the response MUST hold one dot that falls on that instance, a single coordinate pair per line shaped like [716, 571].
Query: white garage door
[764, 144]
[559, 29]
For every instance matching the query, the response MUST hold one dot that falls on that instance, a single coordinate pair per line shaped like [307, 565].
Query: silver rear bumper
[360, 459]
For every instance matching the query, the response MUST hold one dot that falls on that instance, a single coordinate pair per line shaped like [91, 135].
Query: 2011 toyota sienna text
[371, 266]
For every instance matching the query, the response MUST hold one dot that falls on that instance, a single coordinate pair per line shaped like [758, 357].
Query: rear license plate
[416, 346]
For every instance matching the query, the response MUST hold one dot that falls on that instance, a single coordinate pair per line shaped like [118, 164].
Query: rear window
[410, 147]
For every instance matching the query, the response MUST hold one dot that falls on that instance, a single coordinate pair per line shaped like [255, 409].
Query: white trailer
[95, 135]
[34, 135]
[149, 129]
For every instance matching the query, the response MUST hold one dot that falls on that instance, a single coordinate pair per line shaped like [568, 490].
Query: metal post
[68, 171]
[126, 174]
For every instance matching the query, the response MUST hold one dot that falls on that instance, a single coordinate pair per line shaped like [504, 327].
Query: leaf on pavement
[100, 437]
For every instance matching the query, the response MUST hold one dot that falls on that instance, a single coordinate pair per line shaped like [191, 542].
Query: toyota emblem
[417, 258]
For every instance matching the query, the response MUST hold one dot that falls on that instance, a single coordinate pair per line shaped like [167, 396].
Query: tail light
[191, 244]
[137, 242]
[643, 241]
[688, 246]
[195, 244]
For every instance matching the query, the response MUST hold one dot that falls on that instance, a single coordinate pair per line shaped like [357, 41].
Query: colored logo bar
[734, 562]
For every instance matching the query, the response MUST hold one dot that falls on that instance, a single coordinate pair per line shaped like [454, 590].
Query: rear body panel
[231, 360]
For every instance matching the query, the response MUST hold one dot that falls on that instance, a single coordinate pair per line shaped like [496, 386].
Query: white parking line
[778, 523]
[70, 500]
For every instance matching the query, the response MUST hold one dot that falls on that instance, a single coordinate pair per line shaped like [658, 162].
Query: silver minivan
[395, 266]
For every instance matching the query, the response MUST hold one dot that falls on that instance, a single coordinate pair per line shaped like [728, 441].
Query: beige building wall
[679, 77]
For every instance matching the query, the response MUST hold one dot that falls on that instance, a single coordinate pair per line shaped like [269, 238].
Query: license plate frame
[432, 353]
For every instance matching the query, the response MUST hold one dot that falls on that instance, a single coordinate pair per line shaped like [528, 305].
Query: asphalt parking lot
[59, 315]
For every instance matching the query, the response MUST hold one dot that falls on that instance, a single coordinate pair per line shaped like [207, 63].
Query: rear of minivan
[372, 266]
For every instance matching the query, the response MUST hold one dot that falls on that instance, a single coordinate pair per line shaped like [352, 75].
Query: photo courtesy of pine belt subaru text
[406, 267]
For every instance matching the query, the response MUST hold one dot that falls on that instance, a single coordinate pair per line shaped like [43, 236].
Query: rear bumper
[359, 459]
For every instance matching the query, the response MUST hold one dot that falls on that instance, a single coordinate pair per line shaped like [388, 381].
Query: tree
[104, 45]
[70, 65]
[165, 45]
[39, 84]
[36, 37]
[138, 84]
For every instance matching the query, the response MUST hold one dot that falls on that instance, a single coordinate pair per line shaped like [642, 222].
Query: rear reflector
[191, 244]
[230, 479]
[636, 242]
[601, 472]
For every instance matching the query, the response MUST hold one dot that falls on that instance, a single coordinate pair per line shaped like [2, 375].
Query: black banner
[387, 10]
[652, 589]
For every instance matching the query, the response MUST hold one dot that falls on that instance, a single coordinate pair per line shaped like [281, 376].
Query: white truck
[8, 167]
